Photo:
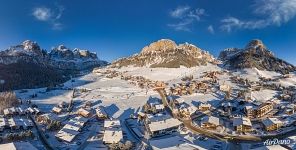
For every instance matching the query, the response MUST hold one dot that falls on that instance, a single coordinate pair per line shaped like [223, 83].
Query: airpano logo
[275, 141]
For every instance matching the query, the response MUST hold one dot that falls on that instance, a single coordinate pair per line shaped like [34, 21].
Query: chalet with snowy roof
[159, 108]
[112, 123]
[47, 118]
[210, 122]
[113, 132]
[242, 124]
[271, 124]
[263, 109]
[56, 110]
[101, 113]
[112, 135]
[250, 111]
[83, 112]
[179, 101]
[160, 124]
[204, 106]
[71, 129]
[33, 111]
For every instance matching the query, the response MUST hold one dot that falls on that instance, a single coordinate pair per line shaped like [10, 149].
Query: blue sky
[118, 28]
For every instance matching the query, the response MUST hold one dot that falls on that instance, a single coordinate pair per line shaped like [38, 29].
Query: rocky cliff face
[27, 65]
[60, 57]
[166, 53]
[65, 58]
[256, 55]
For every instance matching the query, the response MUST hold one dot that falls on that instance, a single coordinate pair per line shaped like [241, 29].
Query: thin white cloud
[61, 11]
[272, 13]
[181, 26]
[211, 29]
[50, 16]
[185, 16]
[197, 13]
[42, 13]
[180, 12]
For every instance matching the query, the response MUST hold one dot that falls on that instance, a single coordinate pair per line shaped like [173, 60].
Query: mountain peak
[256, 55]
[30, 45]
[159, 46]
[255, 43]
[167, 54]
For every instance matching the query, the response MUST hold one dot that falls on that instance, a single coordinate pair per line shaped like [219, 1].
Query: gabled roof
[212, 120]
[271, 121]
[242, 121]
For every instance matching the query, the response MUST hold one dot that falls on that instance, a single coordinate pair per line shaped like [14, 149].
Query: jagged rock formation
[256, 55]
[166, 53]
[27, 65]
[65, 58]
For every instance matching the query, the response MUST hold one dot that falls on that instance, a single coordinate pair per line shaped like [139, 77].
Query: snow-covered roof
[271, 121]
[101, 112]
[242, 121]
[66, 134]
[50, 116]
[164, 124]
[18, 146]
[159, 107]
[113, 135]
[205, 105]
[180, 100]
[249, 107]
[111, 123]
[212, 120]
[71, 127]
[173, 143]
[56, 109]
[83, 112]
[157, 117]
[70, 130]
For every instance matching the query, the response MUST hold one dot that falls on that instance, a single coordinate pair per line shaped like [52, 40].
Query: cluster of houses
[189, 88]
[14, 111]
[14, 118]
[139, 81]
[15, 123]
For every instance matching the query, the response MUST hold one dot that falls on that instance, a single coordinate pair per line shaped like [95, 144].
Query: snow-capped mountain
[167, 54]
[255, 55]
[27, 65]
[60, 57]
[65, 58]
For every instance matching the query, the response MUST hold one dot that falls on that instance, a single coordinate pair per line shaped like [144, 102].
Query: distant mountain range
[167, 54]
[27, 65]
[254, 55]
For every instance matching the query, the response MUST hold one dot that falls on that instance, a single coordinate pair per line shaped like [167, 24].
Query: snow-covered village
[148, 75]
[135, 106]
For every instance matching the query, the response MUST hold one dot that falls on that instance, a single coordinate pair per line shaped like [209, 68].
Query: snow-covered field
[167, 74]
